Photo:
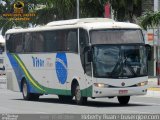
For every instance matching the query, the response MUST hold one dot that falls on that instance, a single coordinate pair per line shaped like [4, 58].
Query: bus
[78, 59]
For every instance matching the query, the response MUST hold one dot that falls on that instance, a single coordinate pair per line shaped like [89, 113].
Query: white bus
[81, 58]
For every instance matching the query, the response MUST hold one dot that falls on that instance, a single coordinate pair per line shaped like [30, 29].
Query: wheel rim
[78, 94]
[25, 89]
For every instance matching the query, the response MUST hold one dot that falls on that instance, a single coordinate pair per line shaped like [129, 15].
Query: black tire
[27, 95]
[64, 98]
[123, 100]
[79, 99]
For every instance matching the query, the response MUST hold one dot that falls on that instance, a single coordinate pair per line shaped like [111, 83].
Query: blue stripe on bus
[19, 73]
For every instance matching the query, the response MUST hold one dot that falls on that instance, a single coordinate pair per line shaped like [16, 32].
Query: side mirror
[89, 56]
[148, 51]
[88, 50]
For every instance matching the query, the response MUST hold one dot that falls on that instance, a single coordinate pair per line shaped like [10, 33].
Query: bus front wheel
[27, 95]
[123, 100]
[80, 100]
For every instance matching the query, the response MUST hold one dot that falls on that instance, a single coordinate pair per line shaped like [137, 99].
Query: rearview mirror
[88, 50]
[89, 56]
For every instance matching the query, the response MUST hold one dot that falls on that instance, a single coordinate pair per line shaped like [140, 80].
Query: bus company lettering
[49, 62]
[37, 62]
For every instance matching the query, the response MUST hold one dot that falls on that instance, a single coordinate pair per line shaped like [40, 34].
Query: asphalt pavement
[12, 102]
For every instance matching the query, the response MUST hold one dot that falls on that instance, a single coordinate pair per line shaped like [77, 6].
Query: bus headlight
[102, 85]
[142, 83]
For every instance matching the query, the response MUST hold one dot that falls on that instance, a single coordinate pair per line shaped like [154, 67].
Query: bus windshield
[116, 36]
[119, 61]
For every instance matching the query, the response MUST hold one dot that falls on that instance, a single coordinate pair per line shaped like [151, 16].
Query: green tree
[126, 10]
[55, 10]
[66, 9]
[92, 8]
[51, 10]
[150, 19]
[7, 7]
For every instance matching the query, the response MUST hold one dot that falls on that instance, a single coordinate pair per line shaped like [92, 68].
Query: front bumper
[111, 92]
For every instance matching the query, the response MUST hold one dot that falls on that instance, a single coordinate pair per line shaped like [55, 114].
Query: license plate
[123, 91]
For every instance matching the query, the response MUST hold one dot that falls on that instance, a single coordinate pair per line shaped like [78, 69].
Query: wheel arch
[21, 84]
[73, 84]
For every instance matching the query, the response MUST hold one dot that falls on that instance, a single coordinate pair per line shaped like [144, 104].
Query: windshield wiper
[117, 69]
[129, 67]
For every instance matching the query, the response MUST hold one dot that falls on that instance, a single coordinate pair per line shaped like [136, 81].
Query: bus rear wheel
[80, 100]
[123, 100]
[27, 95]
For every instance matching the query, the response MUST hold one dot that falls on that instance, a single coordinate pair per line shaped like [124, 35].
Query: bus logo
[123, 84]
[37, 62]
[61, 67]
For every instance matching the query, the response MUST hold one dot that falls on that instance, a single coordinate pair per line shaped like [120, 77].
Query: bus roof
[79, 21]
[86, 23]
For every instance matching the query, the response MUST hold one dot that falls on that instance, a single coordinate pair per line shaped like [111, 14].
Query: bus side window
[72, 42]
[27, 42]
[51, 43]
[19, 43]
[38, 42]
[84, 42]
[83, 39]
[9, 43]
[14, 43]
[60, 39]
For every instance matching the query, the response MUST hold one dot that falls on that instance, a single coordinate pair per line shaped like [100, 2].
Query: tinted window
[14, 43]
[45, 41]
[119, 61]
[38, 42]
[27, 42]
[117, 36]
[50, 41]
[84, 41]
[72, 41]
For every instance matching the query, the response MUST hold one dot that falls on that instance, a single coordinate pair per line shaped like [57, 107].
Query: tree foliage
[150, 19]
[51, 10]
[126, 10]
[6, 6]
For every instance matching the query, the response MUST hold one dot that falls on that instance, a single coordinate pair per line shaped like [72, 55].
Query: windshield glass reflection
[119, 61]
